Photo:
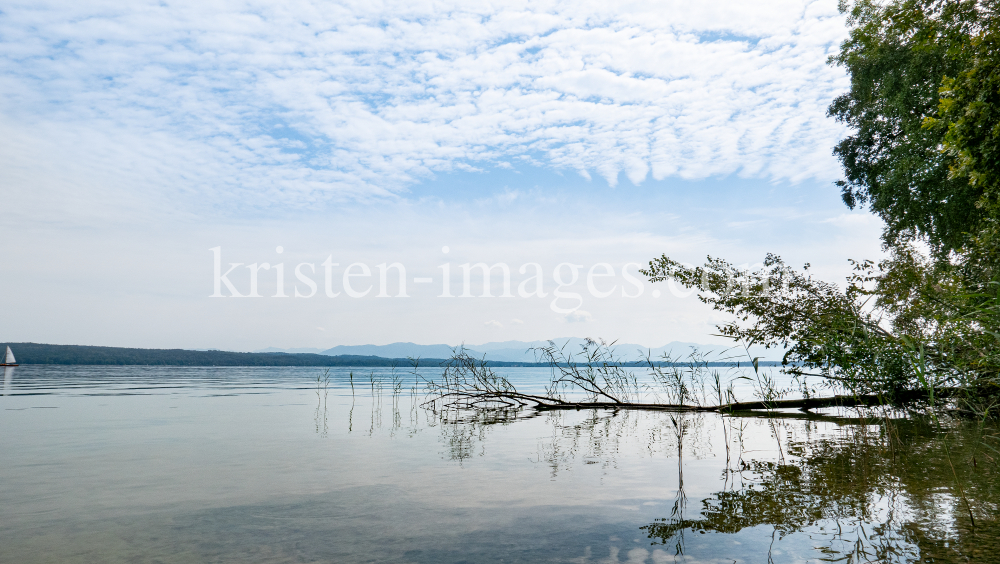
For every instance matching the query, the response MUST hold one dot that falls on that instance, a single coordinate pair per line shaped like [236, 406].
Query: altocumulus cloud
[296, 102]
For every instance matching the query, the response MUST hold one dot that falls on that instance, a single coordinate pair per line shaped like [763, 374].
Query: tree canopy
[923, 107]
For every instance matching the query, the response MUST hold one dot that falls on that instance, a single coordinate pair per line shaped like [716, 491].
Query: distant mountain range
[520, 351]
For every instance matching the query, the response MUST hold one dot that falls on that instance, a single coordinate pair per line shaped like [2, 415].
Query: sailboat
[9, 359]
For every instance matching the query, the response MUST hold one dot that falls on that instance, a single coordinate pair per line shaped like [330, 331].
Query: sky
[149, 146]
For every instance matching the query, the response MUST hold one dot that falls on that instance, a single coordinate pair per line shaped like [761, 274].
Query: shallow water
[142, 464]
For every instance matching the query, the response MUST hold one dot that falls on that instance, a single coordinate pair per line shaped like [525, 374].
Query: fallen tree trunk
[469, 383]
[804, 404]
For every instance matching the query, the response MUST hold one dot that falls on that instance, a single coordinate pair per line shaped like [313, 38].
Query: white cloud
[855, 220]
[579, 316]
[493, 323]
[299, 102]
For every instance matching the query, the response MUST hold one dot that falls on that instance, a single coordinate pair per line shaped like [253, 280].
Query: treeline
[39, 353]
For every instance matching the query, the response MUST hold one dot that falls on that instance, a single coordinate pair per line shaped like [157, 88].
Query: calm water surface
[136, 464]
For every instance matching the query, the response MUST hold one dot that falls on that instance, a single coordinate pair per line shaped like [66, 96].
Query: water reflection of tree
[593, 437]
[878, 489]
[598, 437]
[464, 431]
[880, 493]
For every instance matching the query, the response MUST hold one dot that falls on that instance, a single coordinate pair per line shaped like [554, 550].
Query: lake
[166, 464]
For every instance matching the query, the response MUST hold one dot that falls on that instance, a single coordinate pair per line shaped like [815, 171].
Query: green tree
[899, 55]
[969, 107]
[924, 155]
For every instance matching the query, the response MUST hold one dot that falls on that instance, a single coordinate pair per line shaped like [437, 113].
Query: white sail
[10, 357]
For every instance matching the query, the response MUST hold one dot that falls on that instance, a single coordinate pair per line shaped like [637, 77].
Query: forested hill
[37, 353]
